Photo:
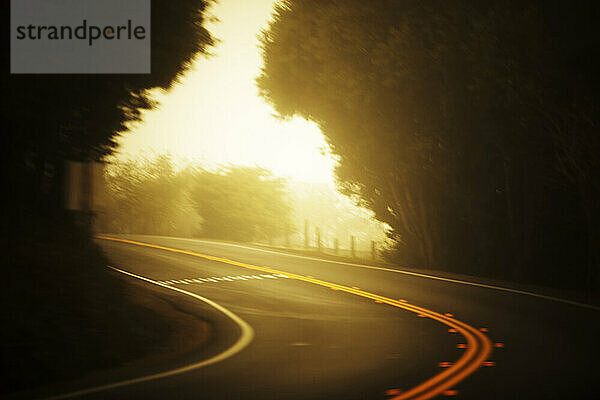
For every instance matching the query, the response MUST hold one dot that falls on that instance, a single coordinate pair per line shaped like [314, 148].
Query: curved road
[327, 330]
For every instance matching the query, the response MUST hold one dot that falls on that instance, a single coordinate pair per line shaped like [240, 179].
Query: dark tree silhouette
[50, 118]
[59, 287]
[471, 128]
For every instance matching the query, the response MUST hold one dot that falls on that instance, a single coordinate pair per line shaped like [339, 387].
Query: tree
[241, 204]
[360, 75]
[468, 127]
[149, 197]
[50, 118]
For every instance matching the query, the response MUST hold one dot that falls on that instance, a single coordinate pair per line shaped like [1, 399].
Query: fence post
[306, 233]
[352, 247]
[335, 245]
[318, 239]
[373, 250]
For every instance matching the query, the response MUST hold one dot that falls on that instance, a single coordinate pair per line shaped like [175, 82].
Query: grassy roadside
[67, 316]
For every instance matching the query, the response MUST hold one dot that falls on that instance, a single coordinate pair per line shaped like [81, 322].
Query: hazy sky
[215, 115]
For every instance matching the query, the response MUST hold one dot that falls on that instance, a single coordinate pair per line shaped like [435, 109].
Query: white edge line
[398, 271]
[247, 334]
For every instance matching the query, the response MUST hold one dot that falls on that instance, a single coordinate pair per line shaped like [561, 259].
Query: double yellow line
[478, 345]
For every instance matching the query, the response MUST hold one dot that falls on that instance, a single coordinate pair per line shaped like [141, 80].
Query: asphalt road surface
[292, 327]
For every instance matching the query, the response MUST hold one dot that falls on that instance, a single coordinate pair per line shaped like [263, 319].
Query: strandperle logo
[80, 36]
[85, 31]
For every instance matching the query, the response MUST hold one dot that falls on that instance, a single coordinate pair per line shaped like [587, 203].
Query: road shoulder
[111, 327]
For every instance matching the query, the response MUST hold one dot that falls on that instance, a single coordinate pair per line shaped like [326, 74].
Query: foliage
[241, 204]
[236, 203]
[148, 197]
[49, 118]
[469, 127]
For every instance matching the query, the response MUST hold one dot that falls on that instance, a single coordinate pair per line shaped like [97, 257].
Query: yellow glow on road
[215, 116]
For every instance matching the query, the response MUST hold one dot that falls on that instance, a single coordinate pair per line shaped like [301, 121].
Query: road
[316, 329]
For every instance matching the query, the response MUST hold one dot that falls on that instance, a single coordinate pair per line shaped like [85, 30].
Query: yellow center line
[478, 349]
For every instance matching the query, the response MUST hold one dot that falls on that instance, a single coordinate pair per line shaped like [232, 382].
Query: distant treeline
[470, 127]
[232, 203]
[244, 204]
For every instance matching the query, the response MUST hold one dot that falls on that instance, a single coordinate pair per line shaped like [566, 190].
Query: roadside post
[318, 231]
[373, 250]
[306, 233]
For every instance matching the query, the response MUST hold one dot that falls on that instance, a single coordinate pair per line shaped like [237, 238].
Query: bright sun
[215, 116]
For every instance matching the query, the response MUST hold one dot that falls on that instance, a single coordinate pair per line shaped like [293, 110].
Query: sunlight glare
[214, 115]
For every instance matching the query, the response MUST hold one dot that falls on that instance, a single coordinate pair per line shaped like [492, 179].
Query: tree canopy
[52, 117]
[241, 204]
[148, 196]
[471, 128]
